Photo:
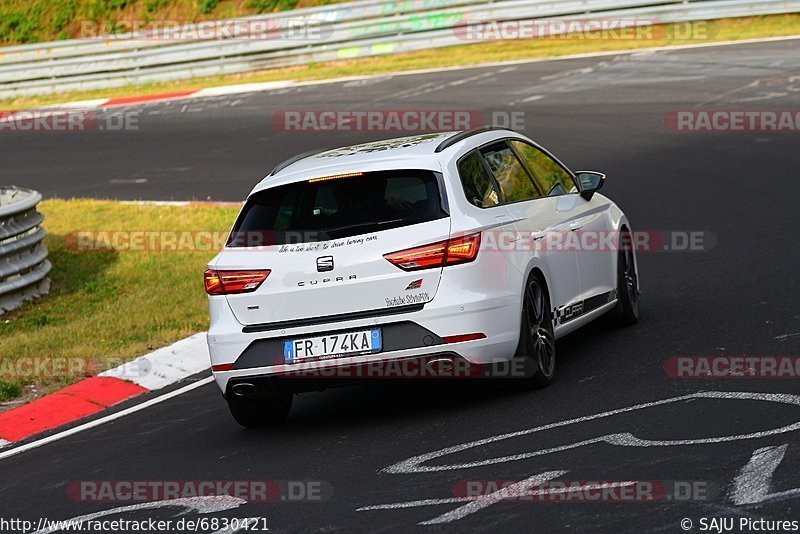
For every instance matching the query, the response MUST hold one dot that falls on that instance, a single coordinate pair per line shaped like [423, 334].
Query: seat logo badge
[324, 264]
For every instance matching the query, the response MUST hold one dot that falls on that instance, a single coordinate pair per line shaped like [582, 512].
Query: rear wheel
[258, 412]
[537, 346]
[627, 282]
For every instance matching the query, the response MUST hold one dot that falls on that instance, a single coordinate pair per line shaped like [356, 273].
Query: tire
[259, 412]
[627, 283]
[537, 347]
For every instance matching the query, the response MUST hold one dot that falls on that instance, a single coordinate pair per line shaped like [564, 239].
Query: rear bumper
[438, 365]
[258, 355]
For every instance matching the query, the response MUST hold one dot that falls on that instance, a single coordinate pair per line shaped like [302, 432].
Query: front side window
[479, 188]
[325, 209]
[552, 178]
[515, 184]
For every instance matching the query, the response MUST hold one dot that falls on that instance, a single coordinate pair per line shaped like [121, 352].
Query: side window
[515, 184]
[478, 186]
[551, 177]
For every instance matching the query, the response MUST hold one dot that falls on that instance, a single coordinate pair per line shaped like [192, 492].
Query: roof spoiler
[460, 136]
[294, 159]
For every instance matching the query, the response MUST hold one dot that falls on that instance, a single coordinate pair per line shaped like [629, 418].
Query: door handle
[575, 225]
[537, 235]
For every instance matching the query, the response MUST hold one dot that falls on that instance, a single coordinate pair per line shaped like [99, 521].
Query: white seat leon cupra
[456, 254]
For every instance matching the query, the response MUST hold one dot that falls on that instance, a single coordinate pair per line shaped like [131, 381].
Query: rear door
[324, 240]
[587, 226]
[537, 217]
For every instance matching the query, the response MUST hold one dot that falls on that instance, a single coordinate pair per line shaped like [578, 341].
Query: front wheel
[537, 346]
[258, 412]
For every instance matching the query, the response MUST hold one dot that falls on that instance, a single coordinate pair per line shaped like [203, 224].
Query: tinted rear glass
[478, 186]
[321, 210]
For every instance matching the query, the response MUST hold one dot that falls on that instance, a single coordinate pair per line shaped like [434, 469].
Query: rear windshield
[325, 209]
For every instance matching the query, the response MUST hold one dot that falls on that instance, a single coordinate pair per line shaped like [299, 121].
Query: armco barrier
[23, 256]
[344, 31]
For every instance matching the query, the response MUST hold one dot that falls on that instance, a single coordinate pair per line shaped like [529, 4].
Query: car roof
[411, 152]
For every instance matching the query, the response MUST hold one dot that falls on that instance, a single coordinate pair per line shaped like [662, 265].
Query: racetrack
[738, 297]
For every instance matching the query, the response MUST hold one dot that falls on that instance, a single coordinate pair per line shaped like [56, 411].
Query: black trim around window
[522, 162]
[549, 155]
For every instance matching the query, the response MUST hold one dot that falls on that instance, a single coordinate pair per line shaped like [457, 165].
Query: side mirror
[590, 182]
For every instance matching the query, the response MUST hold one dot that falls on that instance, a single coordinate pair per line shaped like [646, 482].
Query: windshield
[337, 207]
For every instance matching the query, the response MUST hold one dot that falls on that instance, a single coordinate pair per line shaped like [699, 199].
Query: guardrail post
[23, 257]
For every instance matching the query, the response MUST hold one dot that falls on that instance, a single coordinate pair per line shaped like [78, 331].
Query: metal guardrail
[23, 256]
[347, 31]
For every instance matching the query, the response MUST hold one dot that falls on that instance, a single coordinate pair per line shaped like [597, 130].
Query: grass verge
[30, 21]
[463, 55]
[106, 307]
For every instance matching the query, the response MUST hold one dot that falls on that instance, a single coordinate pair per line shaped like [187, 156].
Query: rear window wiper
[359, 225]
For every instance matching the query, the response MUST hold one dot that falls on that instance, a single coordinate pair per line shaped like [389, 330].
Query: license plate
[332, 345]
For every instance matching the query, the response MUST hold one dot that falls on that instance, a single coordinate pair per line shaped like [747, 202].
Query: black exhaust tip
[243, 389]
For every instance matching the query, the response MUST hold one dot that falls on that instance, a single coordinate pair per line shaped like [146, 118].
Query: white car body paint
[3, 443]
[484, 296]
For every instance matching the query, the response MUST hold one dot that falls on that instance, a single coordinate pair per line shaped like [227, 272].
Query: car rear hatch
[324, 240]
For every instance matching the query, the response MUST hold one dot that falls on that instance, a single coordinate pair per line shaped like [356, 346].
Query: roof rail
[460, 136]
[294, 159]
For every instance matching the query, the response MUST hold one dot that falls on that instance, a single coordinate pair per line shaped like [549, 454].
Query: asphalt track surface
[738, 297]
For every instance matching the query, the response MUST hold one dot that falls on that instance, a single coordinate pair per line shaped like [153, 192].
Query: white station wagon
[448, 254]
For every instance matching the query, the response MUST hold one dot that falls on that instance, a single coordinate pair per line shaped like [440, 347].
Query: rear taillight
[449, 252]
[232, 282]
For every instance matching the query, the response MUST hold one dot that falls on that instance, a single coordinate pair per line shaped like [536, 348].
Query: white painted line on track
[241, 88]
[513, 490]
[623, 439]
[510, 493]
[753, 481]
[106, 419]
[516, 490]
[753, 484]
